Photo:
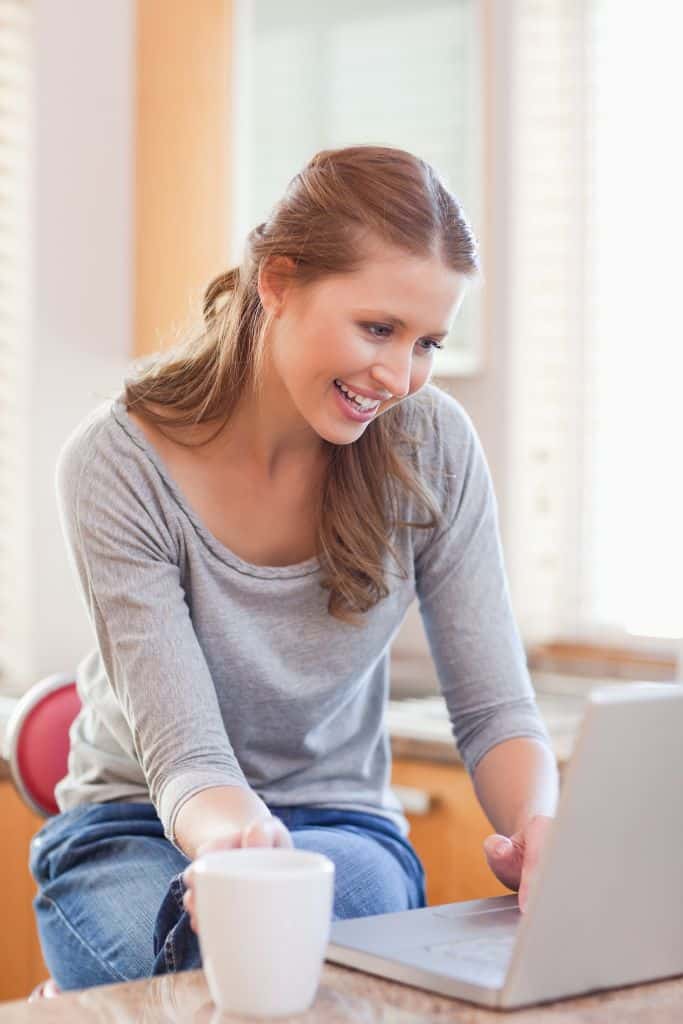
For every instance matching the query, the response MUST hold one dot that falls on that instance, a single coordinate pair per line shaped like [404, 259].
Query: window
[312, 76]
[596, 549]
[633, 554]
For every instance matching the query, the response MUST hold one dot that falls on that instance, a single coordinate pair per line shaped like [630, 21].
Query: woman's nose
[394, 376]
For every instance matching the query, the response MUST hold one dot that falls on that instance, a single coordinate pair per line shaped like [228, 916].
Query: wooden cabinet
[448, 837]
[21, 961]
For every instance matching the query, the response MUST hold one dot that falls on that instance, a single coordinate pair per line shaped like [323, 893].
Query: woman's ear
[273, 280]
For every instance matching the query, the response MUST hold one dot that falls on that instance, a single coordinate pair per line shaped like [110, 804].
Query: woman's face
[341, 330]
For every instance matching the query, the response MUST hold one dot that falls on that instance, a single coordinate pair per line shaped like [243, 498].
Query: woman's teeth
[360, 400]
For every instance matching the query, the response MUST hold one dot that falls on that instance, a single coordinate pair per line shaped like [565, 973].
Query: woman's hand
[513, 861]
[261, 831]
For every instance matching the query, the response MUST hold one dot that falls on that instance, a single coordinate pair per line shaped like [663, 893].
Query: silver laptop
[605, 905]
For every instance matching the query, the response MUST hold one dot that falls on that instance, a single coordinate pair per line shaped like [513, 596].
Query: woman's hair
[341, 199]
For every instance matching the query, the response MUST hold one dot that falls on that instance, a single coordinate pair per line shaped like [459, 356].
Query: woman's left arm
[517, 785]
[515, 780]
[478, 652]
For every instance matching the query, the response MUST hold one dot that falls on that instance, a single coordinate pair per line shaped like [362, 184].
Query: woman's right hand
[261, 831]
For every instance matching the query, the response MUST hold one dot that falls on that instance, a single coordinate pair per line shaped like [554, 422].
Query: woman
[247, 522]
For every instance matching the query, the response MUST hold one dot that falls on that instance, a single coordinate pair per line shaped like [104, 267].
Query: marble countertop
[344, 996]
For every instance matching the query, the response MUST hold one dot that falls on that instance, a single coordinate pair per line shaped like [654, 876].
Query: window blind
[547, 190]
[596, 497]
[15, 248]
[313, 76]
[633, 556]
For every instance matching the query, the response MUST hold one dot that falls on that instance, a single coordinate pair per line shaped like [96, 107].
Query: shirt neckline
[225, 554]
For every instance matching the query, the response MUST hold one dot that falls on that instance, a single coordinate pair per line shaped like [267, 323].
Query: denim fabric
[109, 903]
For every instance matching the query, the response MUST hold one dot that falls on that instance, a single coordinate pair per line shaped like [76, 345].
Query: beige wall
[182, 172]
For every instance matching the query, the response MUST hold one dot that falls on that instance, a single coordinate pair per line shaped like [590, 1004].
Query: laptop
[605, 905]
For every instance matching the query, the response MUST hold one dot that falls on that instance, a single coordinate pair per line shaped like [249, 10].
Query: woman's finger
[259, 832]
[505, 856]
[188, 903]
[282, 837]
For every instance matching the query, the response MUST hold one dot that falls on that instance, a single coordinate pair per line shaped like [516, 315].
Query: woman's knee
[368, 878]
[70, 959]
[99, 907]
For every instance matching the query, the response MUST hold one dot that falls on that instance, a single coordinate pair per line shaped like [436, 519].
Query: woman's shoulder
[444, 425]
[83, 440]
[109, 484]
[101, 448]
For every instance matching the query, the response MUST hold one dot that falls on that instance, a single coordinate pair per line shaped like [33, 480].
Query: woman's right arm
[127, 556]
[214, 814]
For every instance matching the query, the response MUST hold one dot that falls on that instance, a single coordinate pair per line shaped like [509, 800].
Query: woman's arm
[516, 783]
[480, 659]
[465, 602]
[515, 780]
[128, 562]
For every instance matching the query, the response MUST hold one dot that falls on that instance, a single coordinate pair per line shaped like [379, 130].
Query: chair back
[37, 740]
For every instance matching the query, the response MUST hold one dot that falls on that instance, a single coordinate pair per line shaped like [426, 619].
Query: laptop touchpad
[480, 922]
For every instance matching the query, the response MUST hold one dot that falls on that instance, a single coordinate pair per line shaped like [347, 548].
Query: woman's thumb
[498, 846]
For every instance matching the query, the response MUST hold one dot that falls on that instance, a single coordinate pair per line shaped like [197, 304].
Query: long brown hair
[340, 198]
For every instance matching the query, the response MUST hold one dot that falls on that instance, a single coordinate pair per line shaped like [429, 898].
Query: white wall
[83, 278]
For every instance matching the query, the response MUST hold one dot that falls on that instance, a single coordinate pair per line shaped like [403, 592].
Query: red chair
[37, 740]
[37, 748]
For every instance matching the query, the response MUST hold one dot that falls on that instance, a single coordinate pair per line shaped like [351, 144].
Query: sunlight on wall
[636, 497]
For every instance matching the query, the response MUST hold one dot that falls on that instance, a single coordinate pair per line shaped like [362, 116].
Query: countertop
[344, 995]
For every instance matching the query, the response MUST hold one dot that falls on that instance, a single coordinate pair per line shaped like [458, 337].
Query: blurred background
[140, 141]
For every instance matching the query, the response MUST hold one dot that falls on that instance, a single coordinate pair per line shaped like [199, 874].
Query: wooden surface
[20, 956]
[183, 161]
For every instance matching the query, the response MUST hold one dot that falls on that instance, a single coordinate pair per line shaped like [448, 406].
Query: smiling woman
[230, 516]
[358, 231]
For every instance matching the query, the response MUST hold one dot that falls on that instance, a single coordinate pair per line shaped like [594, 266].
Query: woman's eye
[428, 343]
[381, 327]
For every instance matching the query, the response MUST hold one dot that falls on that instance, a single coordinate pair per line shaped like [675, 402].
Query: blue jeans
[109, 902]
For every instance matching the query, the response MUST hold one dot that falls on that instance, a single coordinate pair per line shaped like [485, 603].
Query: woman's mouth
[359, 409]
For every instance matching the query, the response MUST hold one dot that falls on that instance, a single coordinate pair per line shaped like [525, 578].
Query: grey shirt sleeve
[130, 581]
[465, 603]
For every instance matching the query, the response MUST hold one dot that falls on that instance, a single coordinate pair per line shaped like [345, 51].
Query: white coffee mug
[264, 917]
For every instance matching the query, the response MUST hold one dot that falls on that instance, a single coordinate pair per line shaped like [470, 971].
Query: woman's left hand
[513, 860]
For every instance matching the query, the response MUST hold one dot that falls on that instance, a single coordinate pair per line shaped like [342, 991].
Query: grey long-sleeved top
[210, 671]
